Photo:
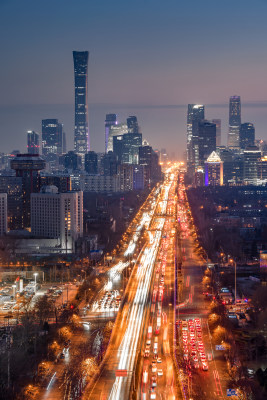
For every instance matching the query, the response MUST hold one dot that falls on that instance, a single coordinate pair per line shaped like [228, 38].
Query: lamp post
[35, 276]
[235, 281]
[14, 291]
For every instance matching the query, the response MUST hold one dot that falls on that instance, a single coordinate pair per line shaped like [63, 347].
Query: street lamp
[35, 276]
[14, 290]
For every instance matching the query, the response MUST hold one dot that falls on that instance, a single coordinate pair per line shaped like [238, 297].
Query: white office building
[57, 216]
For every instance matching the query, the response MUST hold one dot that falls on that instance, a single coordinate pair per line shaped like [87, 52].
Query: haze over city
[145, 58]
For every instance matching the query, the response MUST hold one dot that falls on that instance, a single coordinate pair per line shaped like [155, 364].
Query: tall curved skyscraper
[81, 131]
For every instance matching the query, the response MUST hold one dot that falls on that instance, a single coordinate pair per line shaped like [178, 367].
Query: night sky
[147, 58]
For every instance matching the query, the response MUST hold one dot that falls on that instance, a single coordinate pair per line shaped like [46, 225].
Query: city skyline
[175, 66]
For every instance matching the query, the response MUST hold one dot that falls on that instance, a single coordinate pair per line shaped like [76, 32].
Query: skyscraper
[131, 144]
[189, 147]
[109, 164]
[247, 135]
[198, 115]
[27, 167]
[90, 164]
[33, 142]
[111, 119]
[213, 170]
[81, 131]
[71, 161]
[206, 141]
[52, 137]
[218, 123]
[234, 122]
[115, 130]
[252, 157]
[132, 124]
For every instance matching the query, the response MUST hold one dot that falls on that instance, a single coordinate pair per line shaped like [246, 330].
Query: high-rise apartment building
[3, 213]
[12, 186]
[218, 123]
[33, 145]
[81, 131]
[234, 122]
[91, 163]
[52, 137]
[111, 119]
[247, 135]
[252, 157]
[28, 167]
[57, 216]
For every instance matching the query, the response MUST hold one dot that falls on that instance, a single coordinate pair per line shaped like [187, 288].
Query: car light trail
[128, 347]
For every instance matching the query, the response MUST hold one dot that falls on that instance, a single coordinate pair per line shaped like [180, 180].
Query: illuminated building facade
[252, 157]
[57, 216]
[195, 114]
[213, 170]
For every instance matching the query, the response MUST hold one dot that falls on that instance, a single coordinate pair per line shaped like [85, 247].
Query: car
[210, 356]
[160, 372]
[205, 366]
[146, 353]
[154, 369]
[154, 381]
[62, 355]
[159, 360]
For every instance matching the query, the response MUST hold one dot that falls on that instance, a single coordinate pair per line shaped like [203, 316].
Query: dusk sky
[147, 58]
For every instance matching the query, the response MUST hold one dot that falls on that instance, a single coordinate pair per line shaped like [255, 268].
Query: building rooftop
[214, 158]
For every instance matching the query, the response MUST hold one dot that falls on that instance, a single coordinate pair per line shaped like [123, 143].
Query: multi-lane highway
[201, 369]
[115, 380]
[161, 346]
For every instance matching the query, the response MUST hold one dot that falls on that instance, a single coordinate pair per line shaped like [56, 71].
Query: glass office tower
[81, 131]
